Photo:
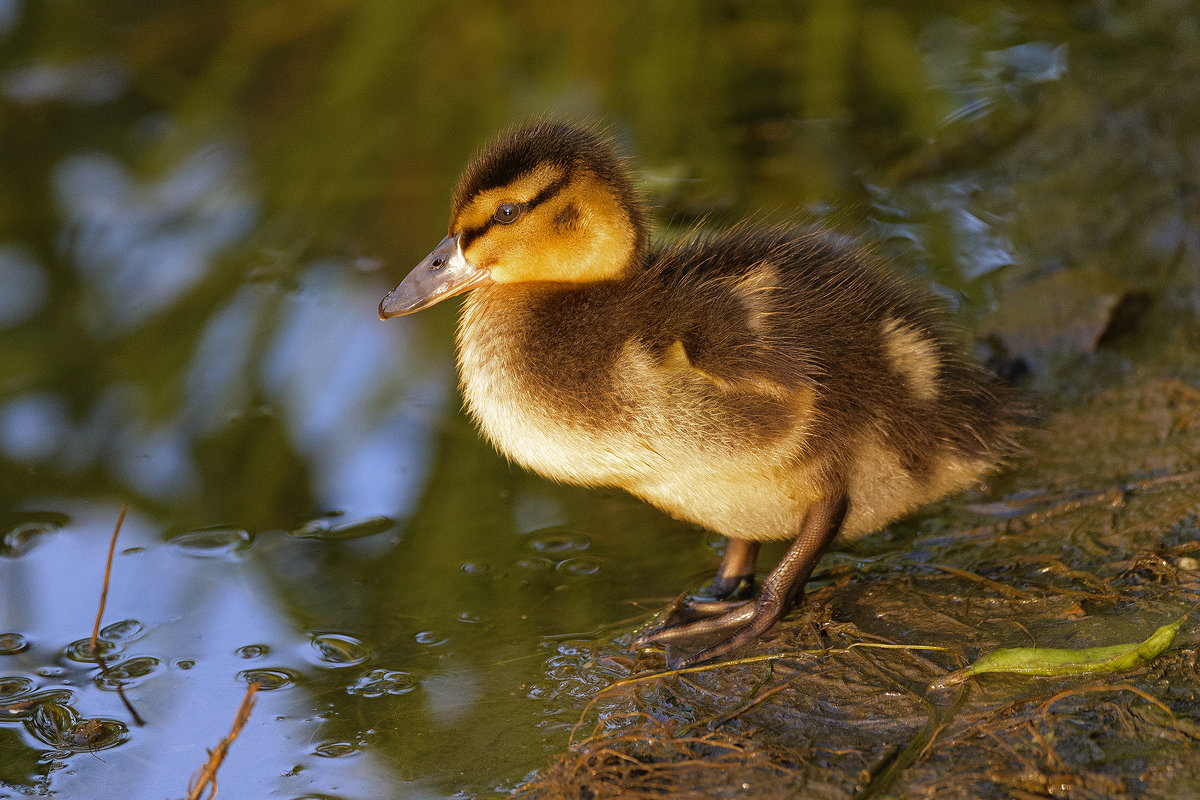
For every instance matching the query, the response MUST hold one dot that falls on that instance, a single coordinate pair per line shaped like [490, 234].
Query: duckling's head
[550, 202]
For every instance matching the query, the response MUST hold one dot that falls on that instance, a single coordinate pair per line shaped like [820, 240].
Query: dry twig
[95, 642]
[206, 776]
[112, 547]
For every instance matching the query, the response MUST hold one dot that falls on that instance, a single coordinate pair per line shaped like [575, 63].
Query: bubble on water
[583, 565]
[128, 672]
[23, 703]
[380, 682]
[334, 529]
[269, 678]
[81, 651]
[13, 686]
[338, 650]
[557, 541]
[430, 638]
[336, 749]
[28, 533]
[127, 630]
[12, 643]
[252, 651]
[215, 542]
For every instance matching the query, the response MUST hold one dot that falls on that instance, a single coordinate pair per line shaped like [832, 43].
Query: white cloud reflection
[34, 426]
[344, 384]
[92, 81]
[141, 244]
[23, 286]
[10, 12]
[339, 374]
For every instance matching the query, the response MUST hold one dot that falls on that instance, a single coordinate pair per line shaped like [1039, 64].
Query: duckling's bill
[443, 273]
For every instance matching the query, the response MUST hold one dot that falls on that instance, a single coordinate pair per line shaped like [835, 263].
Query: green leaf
[1048, 661]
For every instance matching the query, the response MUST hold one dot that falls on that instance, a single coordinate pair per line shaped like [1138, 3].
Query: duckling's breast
[569, 387]
[542, 397]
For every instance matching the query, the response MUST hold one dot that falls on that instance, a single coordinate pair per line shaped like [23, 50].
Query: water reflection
[89, 82]
[138, 245]
[9, 11]
[190, 200]
[332, 372]
[168, 606]
[23, 286]
[34, 427]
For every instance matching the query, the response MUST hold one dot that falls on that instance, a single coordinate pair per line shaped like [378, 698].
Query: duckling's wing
[725, 315]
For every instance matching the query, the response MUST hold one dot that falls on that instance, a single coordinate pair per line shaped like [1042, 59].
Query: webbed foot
[747, 621]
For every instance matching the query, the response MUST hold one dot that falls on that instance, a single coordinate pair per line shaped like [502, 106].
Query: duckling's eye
[507, 212]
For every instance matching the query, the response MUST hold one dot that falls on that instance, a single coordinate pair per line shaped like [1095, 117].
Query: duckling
[765, 384]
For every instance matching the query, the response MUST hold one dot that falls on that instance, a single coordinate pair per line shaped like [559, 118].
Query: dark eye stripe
[545, 194]
[471, 234]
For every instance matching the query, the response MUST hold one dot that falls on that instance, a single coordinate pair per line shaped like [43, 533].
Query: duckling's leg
[781, 587]
[737, 568]
[734, 577]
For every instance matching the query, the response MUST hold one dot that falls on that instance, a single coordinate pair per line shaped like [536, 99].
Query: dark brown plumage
[766, 384]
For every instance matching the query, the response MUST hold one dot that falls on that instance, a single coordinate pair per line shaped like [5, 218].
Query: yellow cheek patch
[496, 250]
[590, 236]
[577, 233]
